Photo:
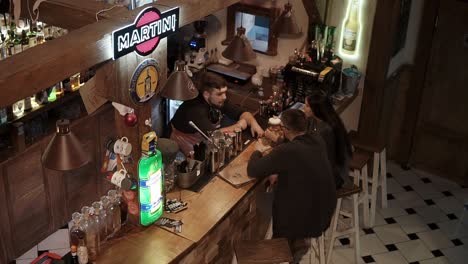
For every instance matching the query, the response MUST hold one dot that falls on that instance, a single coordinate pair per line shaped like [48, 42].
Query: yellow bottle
[351, 29]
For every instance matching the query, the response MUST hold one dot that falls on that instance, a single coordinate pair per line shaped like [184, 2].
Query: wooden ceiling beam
[65, 13]
[35, 69]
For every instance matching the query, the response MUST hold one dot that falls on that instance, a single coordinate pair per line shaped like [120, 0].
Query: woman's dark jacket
[340, 172]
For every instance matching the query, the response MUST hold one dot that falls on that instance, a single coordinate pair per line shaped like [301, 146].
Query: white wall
[216, 31]
[406, 54]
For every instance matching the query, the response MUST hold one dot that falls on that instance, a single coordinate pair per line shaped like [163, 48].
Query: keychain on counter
[171, 223]
[175, 206]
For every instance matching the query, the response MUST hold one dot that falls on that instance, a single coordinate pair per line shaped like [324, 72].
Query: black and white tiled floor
[57, 243]
[421, 224]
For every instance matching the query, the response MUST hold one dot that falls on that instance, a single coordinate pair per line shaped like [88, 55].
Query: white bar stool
[379, 172]
[358, 168]
[352, 232]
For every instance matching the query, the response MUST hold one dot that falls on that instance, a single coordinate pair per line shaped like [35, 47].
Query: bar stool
[358, 170]
[263, 251]
[320, 241]
[379, 171]
[354, 230]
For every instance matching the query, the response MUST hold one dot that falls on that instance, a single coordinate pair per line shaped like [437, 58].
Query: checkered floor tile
[424, 223]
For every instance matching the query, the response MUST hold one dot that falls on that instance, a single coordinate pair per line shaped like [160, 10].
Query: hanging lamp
[64, 152]
[179, 86]
[239, 49]
[286, 26]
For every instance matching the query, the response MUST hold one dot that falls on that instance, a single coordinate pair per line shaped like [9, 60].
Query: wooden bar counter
[216, 217]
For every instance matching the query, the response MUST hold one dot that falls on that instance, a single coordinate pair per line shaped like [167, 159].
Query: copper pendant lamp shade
[286, 26]
[239, 49]
[64, 152]
[179, 86]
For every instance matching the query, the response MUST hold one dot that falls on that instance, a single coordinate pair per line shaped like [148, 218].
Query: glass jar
[100, 219]
[115, 210]
[91, 230]
[106, 206]
[18, 108]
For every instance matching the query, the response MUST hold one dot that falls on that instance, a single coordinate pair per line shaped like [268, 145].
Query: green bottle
[151, 187]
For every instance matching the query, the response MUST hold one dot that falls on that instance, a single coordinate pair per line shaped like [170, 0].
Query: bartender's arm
[246, 119]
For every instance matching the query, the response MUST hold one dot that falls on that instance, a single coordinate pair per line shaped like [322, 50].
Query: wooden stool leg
[269, 233]
[375, 185]
[383, 177]
[365, 198]
[357, 243]
[322, 249]
[333, 229]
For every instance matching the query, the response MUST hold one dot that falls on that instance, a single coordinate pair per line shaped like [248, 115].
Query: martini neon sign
[144, 34]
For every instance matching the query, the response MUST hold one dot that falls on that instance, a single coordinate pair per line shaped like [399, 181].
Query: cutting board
[235, 172]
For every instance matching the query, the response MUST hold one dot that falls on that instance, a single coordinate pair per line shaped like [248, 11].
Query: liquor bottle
[100, 219]
[74, 255]
[59, 91]
[107, 206]
[18, 108]
[76, 233]
[24, 40]
[351, 28]
[82, 252]
[115, 211]
[151, 185]
[3, 116]
[92, 236]
[51, 94]
[32, 35]
[18, 47]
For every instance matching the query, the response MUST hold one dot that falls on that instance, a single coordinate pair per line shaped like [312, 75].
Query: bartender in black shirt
[207, 112]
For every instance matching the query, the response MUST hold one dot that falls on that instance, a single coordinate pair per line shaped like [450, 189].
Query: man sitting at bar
[209, 111]
[305, 198]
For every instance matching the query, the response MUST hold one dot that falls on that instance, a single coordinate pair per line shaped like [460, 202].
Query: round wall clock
[145, 80]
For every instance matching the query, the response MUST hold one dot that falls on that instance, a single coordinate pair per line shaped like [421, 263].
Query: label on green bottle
[151, 198]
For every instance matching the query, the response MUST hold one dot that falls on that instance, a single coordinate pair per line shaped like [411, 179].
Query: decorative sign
[144, 34]
[351, 30]
[144, 81]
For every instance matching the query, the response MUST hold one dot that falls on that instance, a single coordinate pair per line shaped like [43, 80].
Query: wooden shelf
[26, 116]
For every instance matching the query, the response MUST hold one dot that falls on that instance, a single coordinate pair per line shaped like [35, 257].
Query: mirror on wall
[258, 22]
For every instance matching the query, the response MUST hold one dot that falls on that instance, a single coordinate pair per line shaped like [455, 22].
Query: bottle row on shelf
[16, 38]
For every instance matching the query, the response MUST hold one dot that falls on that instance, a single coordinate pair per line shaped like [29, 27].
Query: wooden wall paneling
[443, 109]
[106, 132]
[56, 193]
[6, 247]
[82, 183]
[421, 61]
[401, 84]
[28, 205]
[372, 120]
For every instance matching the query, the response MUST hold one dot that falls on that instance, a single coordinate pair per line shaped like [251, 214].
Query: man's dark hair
[295, 120]
[209, 81]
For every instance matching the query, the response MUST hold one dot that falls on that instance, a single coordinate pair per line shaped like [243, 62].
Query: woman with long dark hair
[324, 120]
